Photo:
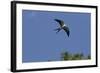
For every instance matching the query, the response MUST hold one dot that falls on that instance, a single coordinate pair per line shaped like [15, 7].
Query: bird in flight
[62, 27]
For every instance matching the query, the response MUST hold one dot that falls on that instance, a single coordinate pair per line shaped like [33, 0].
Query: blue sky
[41, 43]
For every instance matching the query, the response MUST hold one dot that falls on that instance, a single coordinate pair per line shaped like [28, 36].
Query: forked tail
[58, 29]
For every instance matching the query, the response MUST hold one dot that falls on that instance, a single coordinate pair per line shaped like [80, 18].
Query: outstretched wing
[66, 29]
[60, 22]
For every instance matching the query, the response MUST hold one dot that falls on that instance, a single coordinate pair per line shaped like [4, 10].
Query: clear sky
[41, 43]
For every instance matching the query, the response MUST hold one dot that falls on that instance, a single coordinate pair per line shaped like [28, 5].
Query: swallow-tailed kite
[62, 26]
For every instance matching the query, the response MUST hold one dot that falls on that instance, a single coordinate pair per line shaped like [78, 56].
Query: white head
[64, 25]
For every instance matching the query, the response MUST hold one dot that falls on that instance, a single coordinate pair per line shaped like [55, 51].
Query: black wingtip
[68, 34]
[55, 19]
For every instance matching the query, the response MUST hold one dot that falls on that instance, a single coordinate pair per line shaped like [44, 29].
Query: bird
[62, 27]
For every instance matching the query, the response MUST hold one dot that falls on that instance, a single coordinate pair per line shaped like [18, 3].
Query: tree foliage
[78, 56]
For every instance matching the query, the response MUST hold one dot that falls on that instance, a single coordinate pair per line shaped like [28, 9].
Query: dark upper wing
[66, 29]
[60, 22]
